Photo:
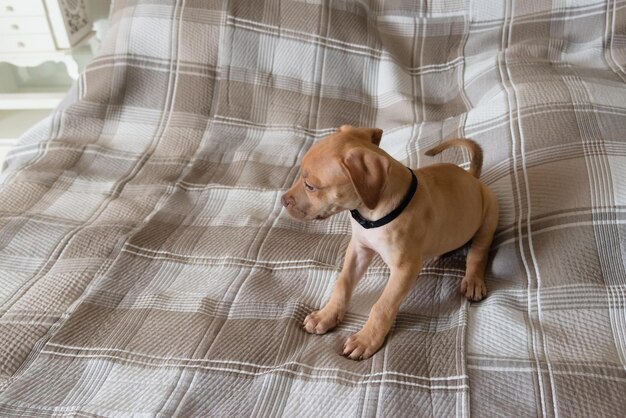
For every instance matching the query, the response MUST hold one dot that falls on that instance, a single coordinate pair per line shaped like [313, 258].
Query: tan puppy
[348, 171]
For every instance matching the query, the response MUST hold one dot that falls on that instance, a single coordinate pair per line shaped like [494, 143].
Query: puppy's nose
[287, 200]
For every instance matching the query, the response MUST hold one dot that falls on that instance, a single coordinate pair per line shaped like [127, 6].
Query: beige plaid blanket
[147, 267]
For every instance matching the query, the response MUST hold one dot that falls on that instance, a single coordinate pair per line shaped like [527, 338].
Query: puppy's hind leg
[473, 284]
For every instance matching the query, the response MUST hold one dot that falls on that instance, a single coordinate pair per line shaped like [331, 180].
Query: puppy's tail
[476, 162]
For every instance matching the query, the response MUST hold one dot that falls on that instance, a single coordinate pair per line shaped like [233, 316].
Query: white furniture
[33, 32]
[36, 31]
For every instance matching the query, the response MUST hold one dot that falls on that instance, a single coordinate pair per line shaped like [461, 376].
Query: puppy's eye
[309, 187]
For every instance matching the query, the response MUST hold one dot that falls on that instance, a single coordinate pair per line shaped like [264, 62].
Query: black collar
[367, 224]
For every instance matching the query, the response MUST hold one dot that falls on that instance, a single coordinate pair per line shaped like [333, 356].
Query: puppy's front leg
[356, 262]
[366, 342]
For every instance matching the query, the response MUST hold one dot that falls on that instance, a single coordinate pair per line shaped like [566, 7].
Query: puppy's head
[343, 171]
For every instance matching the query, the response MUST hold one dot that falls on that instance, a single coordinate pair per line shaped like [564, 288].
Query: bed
[147, 267]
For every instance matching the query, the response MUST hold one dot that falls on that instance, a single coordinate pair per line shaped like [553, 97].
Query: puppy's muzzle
[287, 201]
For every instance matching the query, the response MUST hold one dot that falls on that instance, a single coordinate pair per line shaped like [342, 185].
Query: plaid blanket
[147, 267]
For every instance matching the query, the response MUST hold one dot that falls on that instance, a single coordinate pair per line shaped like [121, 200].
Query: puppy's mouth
[327, 214]
[296, 212]
[300, 214]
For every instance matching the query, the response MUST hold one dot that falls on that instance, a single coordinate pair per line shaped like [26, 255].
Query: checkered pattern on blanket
[147, 267]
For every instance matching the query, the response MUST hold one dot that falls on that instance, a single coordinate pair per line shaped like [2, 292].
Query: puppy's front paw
[322, 321]
[473, 288]
[362, 345]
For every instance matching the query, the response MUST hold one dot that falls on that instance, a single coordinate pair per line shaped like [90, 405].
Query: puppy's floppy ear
[374, 134]
[377, 135]
[368, 172]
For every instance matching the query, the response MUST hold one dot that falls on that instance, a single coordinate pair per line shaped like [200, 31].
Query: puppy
[406, 216]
